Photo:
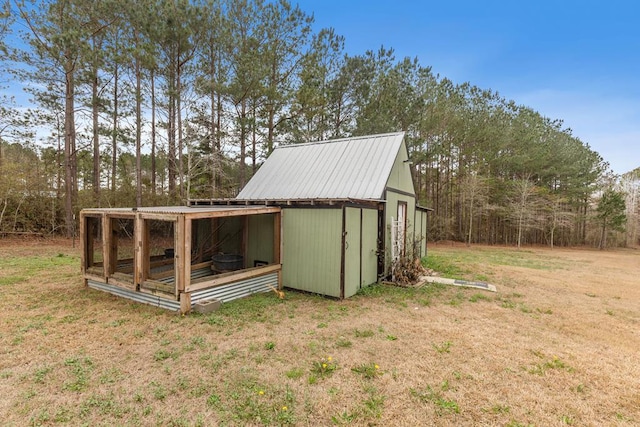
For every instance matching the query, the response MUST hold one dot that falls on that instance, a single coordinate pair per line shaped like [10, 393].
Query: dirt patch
[556, 345]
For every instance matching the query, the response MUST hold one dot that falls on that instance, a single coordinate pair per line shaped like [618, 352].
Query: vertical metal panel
[421, 232]
[352, 252]
[425, 228]
[312, 249]
[369, 259]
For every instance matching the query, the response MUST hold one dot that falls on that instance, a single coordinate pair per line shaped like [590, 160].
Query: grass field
[556, 345]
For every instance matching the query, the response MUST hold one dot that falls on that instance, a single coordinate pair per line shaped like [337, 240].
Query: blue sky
[578, 61]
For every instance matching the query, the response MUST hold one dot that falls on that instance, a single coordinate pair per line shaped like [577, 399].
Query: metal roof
[349, 168]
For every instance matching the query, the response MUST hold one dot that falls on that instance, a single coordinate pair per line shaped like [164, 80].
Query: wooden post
[85, 243]
[185, 302]
[179, 251]
[188, 229]
[139, 253]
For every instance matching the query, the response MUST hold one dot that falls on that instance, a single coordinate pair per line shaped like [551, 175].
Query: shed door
[351, 250]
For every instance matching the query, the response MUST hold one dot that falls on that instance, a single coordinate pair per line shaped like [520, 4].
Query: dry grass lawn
[557, 345]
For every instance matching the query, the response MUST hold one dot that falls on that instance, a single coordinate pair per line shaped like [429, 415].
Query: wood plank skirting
[224, 293]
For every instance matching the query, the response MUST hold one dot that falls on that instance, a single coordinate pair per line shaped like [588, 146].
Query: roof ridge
[331, 141]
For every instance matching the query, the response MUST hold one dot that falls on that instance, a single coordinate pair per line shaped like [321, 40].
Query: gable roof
[349, 168]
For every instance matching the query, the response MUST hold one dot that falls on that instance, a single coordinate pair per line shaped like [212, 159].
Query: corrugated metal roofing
[350, 168]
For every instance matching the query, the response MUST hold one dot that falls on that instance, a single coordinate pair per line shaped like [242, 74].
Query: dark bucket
[228, 262]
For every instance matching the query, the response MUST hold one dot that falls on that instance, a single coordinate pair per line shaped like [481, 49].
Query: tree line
[153, 102]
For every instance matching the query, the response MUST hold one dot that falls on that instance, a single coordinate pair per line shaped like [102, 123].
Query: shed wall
[311, 253]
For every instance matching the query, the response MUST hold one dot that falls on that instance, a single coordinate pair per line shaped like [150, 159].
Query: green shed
[349, 210]
[327, 217]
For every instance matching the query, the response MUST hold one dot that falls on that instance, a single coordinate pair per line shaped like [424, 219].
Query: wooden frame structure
[166, 256]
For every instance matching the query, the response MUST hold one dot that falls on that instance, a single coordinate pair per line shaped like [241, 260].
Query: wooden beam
[258, 210]
[154, 287]
[95, 271]
[158, 216]
[85, 244]
[200, 265]
[94, 277]
[98, 212]
[158, 286]
[122, 215]
[163, 275]
[122, 280]
[233, 276]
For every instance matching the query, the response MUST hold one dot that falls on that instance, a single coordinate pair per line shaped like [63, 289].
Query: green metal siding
[420, 231]
[260, 239]
[352, 252]
[311, 253]
[369, 247]
[400, 176]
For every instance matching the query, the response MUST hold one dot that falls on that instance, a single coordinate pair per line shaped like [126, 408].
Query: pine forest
[145, 103]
